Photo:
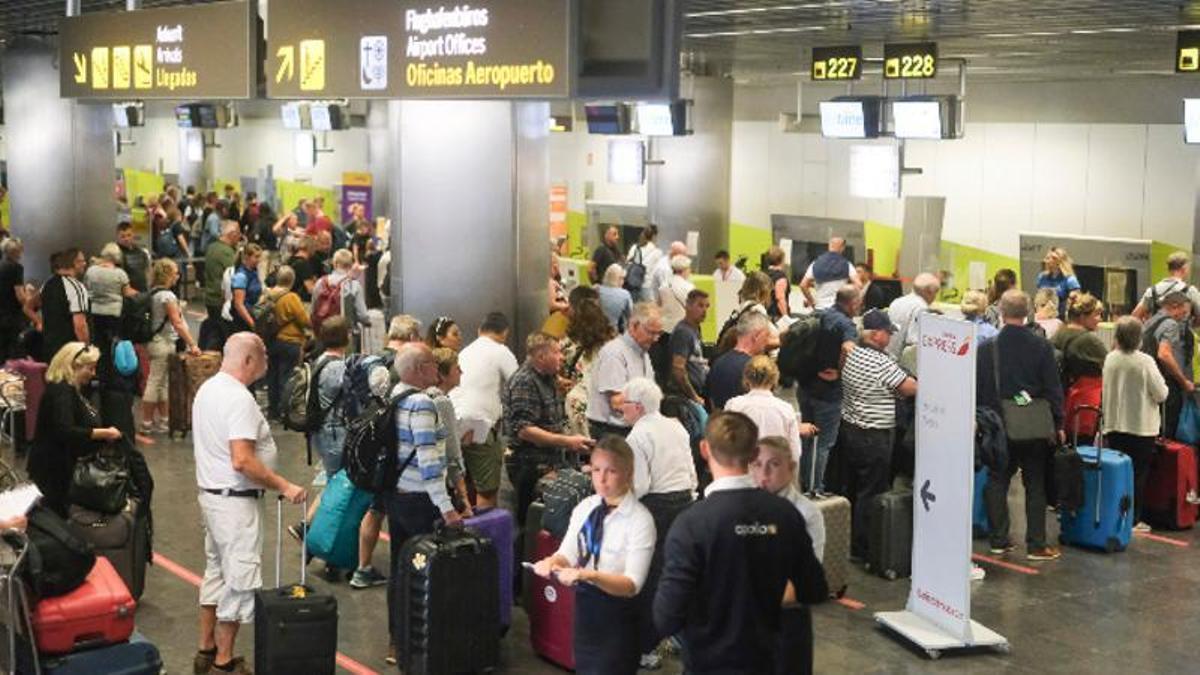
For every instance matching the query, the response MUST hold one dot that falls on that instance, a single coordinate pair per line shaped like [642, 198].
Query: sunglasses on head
[79, 353]
[442, 324]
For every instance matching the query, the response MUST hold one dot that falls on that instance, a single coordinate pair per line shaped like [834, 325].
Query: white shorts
[233, 541]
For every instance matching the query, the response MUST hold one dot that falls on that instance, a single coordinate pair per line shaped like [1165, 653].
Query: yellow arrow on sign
[287, 63]
[80, 68]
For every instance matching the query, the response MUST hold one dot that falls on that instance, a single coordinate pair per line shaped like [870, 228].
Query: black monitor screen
[208, 116]
[606, 119]
[185, 116]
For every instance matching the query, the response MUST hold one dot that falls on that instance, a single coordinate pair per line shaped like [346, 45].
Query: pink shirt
[772, 415]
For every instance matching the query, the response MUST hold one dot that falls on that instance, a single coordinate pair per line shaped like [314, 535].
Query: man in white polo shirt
[235, 460]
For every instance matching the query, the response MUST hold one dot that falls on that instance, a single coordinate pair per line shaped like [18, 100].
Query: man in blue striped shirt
[420, 497]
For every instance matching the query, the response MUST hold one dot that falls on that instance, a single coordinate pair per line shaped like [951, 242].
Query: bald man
[828, 273]
[661, 274]
[218, 257]
[235, 460]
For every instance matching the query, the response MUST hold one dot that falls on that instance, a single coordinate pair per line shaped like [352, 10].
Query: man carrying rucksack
[1179, 270]
[1168, 338]
[340, 294]
[820, 386]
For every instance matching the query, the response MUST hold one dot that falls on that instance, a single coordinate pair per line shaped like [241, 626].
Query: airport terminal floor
[1087, 612]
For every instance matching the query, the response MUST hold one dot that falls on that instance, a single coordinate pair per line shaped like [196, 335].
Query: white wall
[578, 158]
[1117, 180]
[259, 140]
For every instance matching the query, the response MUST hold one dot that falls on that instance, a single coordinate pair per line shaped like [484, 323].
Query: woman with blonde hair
[171, 334]
[974, 308]
[68, 426]
[245, 288]
[1045, 308]
[772, 415]
[1058, 273]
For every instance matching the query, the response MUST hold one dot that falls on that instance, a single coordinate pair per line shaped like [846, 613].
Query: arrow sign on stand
[927, 496]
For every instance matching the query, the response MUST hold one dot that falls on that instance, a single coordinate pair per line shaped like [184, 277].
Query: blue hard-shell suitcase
[1105, 521]
[980, 524]
[136, 657]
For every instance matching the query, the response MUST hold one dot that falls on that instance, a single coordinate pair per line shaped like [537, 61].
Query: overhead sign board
[409, 49]
[194, 51]
[910, 61]
[1187, 51]
[836, 63]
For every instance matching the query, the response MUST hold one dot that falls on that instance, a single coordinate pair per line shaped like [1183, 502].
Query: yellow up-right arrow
[287, 64]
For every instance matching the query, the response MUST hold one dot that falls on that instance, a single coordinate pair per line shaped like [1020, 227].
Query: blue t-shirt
[247, 280]
[1062, 284]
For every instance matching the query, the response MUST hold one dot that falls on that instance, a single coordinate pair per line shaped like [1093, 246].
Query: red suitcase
[34, 373]
[1172, 493]
[100, 612]
[551, 611]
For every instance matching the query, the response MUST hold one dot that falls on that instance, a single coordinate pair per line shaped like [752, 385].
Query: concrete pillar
[469, 201]
[60, 159]
[690, 190]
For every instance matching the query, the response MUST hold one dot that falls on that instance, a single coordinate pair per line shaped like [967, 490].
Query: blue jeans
[283, 357]
[827, 415]
[328, 442]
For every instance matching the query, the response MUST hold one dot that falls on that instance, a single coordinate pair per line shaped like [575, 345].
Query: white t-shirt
[673, 298]
[825, 293]
[732, 274]
[224, 411]
[486, 366]
[628, 543]
[772, 415]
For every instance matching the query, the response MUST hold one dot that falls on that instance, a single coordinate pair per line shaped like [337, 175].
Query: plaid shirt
[532, 399]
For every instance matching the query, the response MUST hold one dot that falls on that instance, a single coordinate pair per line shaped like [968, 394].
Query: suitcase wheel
[1113, 545]
[840, 592]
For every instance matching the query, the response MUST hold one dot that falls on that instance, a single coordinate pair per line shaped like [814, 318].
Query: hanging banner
[945, 471]
[558, 210]
[196, 51]
[356, 189]
[488, 49]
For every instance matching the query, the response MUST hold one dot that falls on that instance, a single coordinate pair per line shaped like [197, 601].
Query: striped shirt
[417, 427]
[869, 380]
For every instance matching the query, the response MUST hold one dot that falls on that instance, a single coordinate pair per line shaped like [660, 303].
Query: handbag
[101, 482]
[1188, 429]
[1023, 423]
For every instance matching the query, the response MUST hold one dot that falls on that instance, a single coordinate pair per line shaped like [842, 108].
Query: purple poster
[356, 189]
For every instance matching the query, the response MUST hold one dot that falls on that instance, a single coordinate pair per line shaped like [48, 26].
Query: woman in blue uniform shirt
[1059, 274]
[605, 555]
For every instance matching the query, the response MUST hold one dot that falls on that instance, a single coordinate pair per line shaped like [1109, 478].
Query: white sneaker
[977, 573]
[1141, 527]
[651, 661]
[320, 478]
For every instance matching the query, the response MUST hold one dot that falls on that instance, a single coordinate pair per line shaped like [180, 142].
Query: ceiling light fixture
[757, 31]
[763, 10]
[1002, 35]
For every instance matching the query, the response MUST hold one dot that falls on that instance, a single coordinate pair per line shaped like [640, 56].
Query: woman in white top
[648, 254]
[605, 555]
[664, 478]
[1132, 392]
[773, 415]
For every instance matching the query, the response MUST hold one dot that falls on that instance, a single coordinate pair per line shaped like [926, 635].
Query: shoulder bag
[1033, 421]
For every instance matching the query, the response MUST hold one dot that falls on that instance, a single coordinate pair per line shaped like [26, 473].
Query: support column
[469, 202]
[60, 159]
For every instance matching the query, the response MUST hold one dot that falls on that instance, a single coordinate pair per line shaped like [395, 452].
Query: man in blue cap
[871, 381]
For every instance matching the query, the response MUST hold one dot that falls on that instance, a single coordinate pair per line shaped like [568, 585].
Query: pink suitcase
[34, 373]
[551, 612]
[99, 612]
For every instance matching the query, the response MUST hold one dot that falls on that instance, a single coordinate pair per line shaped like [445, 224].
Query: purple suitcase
[497, 525]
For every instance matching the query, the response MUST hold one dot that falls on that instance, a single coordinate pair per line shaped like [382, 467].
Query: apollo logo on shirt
[756, 530]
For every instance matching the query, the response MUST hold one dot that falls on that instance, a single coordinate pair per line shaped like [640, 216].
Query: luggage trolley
[17, 601]
[12, 408]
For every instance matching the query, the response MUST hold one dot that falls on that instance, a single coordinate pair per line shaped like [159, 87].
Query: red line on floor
[850, 603]
[190, 577]
[1164, 540]
[979, 557]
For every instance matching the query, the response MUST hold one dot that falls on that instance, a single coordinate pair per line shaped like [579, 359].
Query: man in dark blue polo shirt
[730, 558]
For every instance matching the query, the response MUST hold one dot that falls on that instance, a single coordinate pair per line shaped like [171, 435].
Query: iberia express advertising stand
[938, 614]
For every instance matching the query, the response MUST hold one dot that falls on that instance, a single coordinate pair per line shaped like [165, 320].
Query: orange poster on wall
[558, 211]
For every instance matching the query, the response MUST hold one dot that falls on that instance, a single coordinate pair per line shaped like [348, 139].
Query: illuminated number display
[1187, 51]
[836, 63]
[910, 61]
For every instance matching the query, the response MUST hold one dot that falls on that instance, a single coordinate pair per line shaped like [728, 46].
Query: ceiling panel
[1002, 39]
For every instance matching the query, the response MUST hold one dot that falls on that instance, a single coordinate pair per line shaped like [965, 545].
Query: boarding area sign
[195, 52]
[486, 49]
[938, 614]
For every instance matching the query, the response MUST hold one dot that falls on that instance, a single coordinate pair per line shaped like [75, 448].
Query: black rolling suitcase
[295, 627]
[890, 534]
[123, 538]
[450, 603]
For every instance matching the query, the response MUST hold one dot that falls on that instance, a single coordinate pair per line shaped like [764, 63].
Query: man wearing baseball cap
[871, 381]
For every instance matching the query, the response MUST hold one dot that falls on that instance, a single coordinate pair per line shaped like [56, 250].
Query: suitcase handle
[279, 542]
[812, 474]
[1098, 438]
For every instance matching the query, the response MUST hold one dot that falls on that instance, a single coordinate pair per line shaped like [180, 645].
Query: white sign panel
[875, 171]
[945, 469]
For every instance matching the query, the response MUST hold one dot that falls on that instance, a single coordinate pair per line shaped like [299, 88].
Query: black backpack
[799, 348]
[727, 336]
[660, 360]
[369, 452]
[59, 559]
[635, 272]
[137, 324]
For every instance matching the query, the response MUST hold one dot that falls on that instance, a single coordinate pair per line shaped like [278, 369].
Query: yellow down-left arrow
[80, 68]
